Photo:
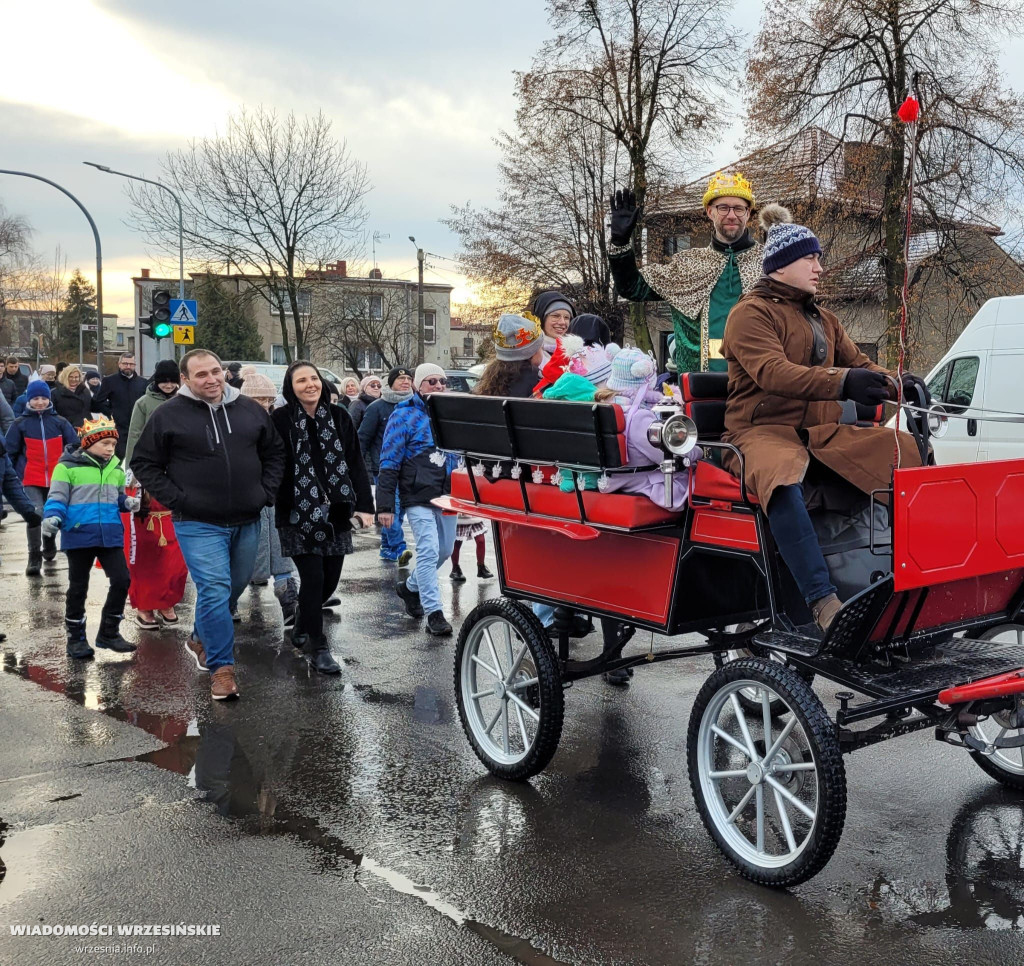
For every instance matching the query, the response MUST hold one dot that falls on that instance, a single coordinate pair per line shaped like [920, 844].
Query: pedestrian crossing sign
[183, 311]
[185, 335]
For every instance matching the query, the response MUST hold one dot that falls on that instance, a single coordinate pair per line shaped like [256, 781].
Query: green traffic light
[161, 330]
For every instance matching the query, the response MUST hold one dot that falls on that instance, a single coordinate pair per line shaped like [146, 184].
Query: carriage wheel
[771, 789]
[1005, 765]
[508, 689]
[748, 696]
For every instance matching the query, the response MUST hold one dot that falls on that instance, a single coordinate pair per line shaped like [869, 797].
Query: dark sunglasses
[436, 381]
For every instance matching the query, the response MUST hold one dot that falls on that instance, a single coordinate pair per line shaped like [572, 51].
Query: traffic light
[160, 319]
[158, 325]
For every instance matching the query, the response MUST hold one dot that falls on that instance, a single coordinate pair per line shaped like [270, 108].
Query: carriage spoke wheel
[770, 787]
[508, 689]
[1005, 765]
[749, 697]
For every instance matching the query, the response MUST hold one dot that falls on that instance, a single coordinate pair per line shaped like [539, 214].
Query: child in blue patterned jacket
[410, 462]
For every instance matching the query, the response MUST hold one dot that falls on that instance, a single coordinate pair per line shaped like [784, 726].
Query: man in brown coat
[790, 364]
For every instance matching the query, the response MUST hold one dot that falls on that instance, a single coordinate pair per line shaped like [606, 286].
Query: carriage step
[788, 643]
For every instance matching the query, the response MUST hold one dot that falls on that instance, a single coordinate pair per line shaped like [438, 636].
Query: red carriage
[933, 641]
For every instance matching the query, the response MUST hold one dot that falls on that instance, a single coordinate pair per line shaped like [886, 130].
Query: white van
[984, 370]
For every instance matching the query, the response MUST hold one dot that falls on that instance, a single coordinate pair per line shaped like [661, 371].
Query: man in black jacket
[117, 396]
[15, 382]
[213, 457]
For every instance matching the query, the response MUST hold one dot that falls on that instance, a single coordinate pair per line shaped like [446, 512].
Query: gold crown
[724, 185]
[97, 429]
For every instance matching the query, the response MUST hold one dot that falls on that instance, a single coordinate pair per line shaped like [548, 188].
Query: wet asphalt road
[349, 820]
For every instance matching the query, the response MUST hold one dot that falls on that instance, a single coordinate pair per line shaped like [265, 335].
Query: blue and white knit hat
[632, 369]
[786, 241]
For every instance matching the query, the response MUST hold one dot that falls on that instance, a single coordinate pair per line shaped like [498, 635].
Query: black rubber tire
[821, 734]
[549, 693]
[1009, 779]
[777, 707]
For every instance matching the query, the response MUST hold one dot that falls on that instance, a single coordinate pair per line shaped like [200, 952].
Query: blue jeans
[220, 560]
[545, 613]
[392, 539]
[798, 543]
[435, 536]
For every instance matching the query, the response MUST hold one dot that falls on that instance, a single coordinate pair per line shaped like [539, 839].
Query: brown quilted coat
[782, 410]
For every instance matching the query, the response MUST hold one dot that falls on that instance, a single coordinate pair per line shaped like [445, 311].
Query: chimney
[145, 273]
[341, 268]
[376, 273]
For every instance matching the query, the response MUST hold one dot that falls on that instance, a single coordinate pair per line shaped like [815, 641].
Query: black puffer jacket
[219, 465]
[75, 405]
[284, 421]
[359, 406]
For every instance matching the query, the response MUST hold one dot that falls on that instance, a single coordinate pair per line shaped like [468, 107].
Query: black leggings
[80, 561]
[318, 579]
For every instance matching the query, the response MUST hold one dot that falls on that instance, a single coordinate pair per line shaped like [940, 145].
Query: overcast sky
[418, 90]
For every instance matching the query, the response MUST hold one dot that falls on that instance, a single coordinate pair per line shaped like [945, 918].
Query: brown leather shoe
[194, 647]
[825, 609]
[222, 683]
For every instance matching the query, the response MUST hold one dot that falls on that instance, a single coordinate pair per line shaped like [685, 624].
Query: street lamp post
[181, 232]
[99, 257]
[419, 296]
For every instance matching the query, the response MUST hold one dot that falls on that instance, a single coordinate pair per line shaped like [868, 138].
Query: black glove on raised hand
[32, 519]
[867, 387]
[910, 394]
[624, 216]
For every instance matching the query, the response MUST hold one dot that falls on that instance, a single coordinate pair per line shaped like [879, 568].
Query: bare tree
[19, 268]
[649, 73]
[270, 197]
[846, 66]
[556, 173]
[353, 324]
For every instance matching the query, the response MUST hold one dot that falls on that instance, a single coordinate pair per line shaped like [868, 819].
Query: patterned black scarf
[320, 483]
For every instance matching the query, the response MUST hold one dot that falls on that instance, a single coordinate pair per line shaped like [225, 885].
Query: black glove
[32, 519]
[624, 216]
[909, 382]
[867, 387]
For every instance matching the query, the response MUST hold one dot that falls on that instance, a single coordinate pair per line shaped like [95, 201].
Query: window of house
[429, 327]
[304, 297]
[277, 356]
[376, 307]
[370, 359]
[467, 346]
[671, 244]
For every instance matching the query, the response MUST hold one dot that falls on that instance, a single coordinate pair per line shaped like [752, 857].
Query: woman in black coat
[71, 397]
[325, 484]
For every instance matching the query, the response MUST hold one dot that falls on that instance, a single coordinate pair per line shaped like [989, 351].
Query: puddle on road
[211, 758]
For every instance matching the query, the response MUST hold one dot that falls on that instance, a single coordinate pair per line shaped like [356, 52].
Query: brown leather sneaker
[222, 684]
[825, 609]
[194, 647]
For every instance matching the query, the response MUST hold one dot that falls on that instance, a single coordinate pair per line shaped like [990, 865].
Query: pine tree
[79, 308]
[226, 323]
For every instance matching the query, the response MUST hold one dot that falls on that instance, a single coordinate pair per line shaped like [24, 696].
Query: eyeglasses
[436, 381]
[373, 385]
[735, 209]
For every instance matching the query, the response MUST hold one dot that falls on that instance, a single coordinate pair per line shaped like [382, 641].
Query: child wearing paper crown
[85, 501]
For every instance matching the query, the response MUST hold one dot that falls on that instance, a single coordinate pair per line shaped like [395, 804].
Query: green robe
[698, 284]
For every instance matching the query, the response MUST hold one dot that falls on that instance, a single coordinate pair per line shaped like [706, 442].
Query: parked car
[982, 371]
[276, 373]
[461, 380]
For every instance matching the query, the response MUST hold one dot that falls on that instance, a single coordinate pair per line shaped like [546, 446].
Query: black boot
[78, 646]
[109, 635]
[410, 598]
[482, 572]
[437, 625]
[319, 656]
[299, 638]
[35, 563]
[49, 547]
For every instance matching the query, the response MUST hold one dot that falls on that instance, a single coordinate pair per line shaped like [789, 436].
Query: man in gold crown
[700, 284]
